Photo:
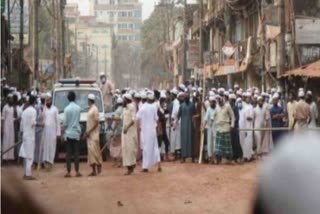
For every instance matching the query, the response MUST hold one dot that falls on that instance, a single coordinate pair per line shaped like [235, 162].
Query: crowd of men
[154, 125]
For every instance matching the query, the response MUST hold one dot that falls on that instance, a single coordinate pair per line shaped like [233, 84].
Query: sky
[147, 7]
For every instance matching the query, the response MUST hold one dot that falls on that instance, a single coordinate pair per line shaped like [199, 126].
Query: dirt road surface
[180, 188]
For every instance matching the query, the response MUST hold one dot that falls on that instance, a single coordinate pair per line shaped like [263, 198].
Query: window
[137, 38]
[137, 13]
[131, 26]
[124, 38]
[122, 13]
[122, 26]
[129, 13]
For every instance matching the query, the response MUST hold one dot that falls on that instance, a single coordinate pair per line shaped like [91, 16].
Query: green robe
[186, 112]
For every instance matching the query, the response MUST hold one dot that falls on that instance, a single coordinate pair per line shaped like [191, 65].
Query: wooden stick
[202, 116]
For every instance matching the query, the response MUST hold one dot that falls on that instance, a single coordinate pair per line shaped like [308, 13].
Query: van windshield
[61, 99]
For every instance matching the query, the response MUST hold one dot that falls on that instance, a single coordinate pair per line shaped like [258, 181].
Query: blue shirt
[71, 121]
[276, 110]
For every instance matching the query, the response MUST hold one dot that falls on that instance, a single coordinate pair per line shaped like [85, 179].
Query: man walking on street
[51, 132]
[92, 135]
[28, 128]
[72, 133]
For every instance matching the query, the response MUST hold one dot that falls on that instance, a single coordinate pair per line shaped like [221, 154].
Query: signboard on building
[193, 53]
[307, 31]
[309, 54]
[229, 62]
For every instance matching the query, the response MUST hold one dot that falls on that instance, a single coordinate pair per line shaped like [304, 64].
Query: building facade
[124, 15]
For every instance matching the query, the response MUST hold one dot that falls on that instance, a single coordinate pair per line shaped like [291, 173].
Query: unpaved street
[180, 188]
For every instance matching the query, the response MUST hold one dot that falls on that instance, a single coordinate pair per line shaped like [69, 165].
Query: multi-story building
[124, 15]
[93, 44]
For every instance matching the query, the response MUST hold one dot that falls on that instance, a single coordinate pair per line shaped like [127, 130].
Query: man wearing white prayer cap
[303, 113]
[289, 178]
[51, 131]
[147, 118]
[129, 135]
[92, 135]
[277, 115]
[210, 126]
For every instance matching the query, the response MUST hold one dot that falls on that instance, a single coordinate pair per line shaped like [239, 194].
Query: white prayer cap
[260, 98]
[117, 91]
[211, 93]
[230, 91]
[239, 99]
[102, 74]
[213, 89]
[192, 77]
[239, 93]
[91, 97]
[199, 89]
[309, 92]
[273, 90]
[151, 96]
[182, 87]
[194, 94]
[137, 95]
[264, 94]
[33, 93]
[246, 94]
[180, 94]
[186, 90]
[119, 100]
[218, 97]
[163, 95]
[301, 89]
[236, 86]
[48, 94]
[212, 98]
[127, 96]
[249, 90]
[174, 91]
[220, 90]
[275, 96]
[232, 96]
[301, 94]
[143, 95]
[10, 95]
[194, 89]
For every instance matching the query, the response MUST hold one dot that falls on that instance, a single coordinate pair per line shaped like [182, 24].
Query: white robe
[248, 138]
[242, 124]
[148, 122]
[28, 128]
[175, 140]
[8, 132]
[260, 120]
[314, 115]
[50, 132]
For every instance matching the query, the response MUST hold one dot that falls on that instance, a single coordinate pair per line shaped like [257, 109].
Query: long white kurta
[175, 132]
[148, 122]
[314, 115]
[28, 128]
[8, 132]
[50, 132]
[260, 121]
[248, 138]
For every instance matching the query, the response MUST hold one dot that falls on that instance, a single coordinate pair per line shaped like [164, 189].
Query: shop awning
[311, 70]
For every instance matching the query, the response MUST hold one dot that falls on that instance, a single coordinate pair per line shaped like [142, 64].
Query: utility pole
[184, 40]
[35, 43]
[58, 38]
[62, 25]
[97, 61]
[20, 66]
[76, 47]
[9, 40]
[281, 40]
